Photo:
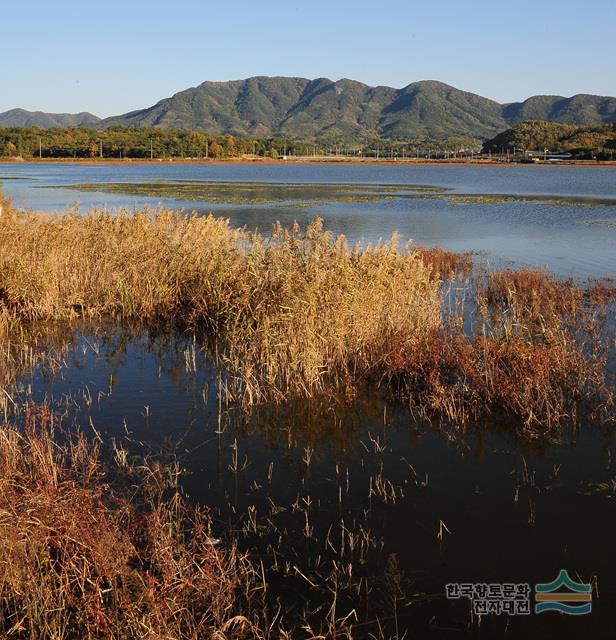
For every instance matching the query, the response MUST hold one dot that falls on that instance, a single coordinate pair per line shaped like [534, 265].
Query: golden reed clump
[54, 267]
[301, 314]
[295, 313]
[6, 208]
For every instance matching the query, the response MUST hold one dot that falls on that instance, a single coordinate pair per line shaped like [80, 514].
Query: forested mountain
[348, 110]
[343, 110]
[22, 118]
[581, 109]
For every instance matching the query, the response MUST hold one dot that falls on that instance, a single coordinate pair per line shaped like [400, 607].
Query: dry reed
[301, 314]
[295, 313]
[444, 263]
[105, 550]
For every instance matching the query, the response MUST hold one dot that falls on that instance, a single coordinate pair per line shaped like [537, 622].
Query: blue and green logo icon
[564, 595]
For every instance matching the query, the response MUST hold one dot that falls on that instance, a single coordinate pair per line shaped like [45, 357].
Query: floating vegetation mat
[295, 194]
[260, 192]
[610, 224]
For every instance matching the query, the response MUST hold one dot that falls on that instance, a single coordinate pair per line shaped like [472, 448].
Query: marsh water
[408, 506]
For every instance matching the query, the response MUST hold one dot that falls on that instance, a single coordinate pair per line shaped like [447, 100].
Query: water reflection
[355, 496]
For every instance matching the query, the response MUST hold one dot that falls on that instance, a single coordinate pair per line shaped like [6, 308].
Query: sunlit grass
[105, 550]
[301, 314]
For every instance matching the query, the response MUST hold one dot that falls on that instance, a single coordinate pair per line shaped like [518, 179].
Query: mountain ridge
[347, 110]
[23, 118]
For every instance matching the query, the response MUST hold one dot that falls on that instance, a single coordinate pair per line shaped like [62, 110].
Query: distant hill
[323, 109]
[346, 109]
[22, 118]
[343, 110]
[580, 141]
[581, 109]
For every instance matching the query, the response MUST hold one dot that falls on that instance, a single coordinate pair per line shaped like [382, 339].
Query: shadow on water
[353, 509]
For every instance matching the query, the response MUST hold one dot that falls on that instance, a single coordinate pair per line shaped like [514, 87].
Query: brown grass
[446, 264]
[301, 314]
[532, 294]
[94, 550]
[541, 384]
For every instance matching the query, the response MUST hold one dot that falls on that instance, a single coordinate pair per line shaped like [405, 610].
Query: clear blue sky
[113, 56]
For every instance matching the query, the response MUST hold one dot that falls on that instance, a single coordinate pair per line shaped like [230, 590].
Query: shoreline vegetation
[527, 142]
[287, 315]
[249, 159]
[297, 316]
[109, 548]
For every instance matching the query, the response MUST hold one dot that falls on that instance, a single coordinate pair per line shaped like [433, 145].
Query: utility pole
[40, 148]
[151, 149]
[100, 146]
[207, 150]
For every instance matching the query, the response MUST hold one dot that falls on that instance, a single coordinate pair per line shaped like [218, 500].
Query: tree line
[143, 142]
[148, 142]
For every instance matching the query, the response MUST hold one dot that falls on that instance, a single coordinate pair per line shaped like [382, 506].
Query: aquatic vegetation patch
[609, 224]
[300, 314]
[259, 192]
[543, 382]
[535, 298]
[537, 353]
[285, 194]
[554, 201]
